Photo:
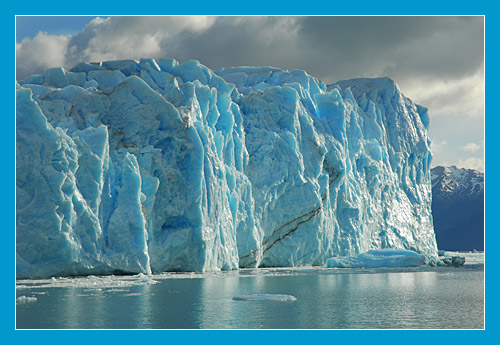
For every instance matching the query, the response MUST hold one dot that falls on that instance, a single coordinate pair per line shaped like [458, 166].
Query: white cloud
[437, 147]
[471, 163]
[449, 97]
[121, 47]
[134, 37]
[471, 147]
[102, 39]
[42, 52]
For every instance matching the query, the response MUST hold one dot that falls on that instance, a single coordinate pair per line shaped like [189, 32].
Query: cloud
[471, 163]
[437, 147]
[42, 52]
[235, 41]
[132, 37]
[471, 147]
[112, 38]
[399, 47]
[331, 48]
[462, 96]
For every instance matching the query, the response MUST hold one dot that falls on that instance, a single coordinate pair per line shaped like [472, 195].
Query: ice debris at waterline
[386, 258]
[265, 297]
[89, 282]
[25, 299]
[151, 166]
[452, 260]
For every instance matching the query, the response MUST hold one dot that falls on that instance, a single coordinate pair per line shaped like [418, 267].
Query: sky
[438, 62]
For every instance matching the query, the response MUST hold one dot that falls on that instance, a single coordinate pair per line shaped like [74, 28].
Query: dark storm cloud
[331, 48]
[234, 41]
[334, 48]
[447, 47]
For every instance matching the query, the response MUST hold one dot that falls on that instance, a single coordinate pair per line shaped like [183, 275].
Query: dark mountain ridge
[458, 208]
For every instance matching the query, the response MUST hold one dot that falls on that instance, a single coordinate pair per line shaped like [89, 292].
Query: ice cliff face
[150, 166]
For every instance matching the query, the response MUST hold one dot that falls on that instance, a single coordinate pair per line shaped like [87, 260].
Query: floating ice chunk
[471, 258]
[457, 261]
[447, 260]
[379, 258]
[24, 300]
[265, 297]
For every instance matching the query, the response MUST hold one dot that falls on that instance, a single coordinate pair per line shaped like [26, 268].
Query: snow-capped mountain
[151, 166]
[458, 208]
[452, 182]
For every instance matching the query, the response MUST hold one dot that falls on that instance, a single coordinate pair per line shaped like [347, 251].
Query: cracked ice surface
[150, 166]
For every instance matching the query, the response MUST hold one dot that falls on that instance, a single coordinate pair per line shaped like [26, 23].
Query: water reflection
[216, 312]
[177, 304]
[144, 306]
[434, 299]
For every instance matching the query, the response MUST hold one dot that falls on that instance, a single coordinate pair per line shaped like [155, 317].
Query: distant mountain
[458, 208]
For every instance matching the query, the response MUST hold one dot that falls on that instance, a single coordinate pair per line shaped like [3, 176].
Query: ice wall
[150, 166]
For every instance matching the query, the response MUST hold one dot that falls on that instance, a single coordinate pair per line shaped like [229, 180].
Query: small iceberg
[265, 297]
[379, 258]
[449, 259]
[24, 300]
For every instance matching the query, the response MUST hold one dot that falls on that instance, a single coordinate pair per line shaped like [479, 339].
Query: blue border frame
[360, 7]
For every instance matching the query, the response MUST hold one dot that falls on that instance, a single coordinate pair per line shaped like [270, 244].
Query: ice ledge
[392, 258]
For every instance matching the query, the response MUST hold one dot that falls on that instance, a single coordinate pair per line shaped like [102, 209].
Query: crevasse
[150, 166]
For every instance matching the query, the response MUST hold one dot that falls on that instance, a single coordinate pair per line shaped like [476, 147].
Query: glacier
[148, 166]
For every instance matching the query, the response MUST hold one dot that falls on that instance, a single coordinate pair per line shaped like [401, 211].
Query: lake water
[421, 298]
